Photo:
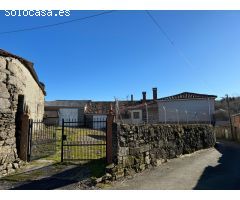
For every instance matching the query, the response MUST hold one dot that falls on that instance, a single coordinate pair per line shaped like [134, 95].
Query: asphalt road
[215, 168]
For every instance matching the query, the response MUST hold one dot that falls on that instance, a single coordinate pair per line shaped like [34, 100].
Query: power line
[56, 24]
[180, 53]
[169, 39]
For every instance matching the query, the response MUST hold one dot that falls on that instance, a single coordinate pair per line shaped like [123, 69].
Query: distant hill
[222, 109]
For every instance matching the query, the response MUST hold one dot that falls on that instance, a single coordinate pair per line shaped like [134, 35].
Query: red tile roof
[141, 105]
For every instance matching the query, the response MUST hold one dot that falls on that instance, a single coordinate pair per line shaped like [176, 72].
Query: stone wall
[223, 132]
[15, 79]
[137, 147]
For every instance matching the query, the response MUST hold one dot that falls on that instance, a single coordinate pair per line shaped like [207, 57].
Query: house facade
[96, 113]
[21, 94]
[187, 107]
[69, 110]
[85, 110]
[143, 111]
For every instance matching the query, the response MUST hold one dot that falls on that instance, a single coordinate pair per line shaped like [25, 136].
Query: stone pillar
[109, 147]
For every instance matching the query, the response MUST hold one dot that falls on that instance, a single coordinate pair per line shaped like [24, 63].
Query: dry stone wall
[15, 79]
[137, 147]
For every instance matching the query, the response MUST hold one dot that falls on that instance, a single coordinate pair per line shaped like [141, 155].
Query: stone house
[21, 93]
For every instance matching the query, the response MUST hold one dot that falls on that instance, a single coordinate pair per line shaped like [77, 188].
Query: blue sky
[124, 53]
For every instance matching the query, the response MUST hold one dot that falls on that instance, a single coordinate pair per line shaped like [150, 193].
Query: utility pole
[229, 115]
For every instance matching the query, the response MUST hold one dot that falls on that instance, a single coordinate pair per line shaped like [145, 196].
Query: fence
[79, 140]
[168, 116]
[184, 116]
[42, 139]
[83, 140]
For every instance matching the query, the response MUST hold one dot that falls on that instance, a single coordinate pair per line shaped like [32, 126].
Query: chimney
[144, 95]
[154, 93]
[131, 98]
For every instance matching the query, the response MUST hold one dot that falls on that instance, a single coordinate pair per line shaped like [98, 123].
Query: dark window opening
[136, 115]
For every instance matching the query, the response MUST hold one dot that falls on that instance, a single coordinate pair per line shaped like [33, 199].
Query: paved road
[216, 168]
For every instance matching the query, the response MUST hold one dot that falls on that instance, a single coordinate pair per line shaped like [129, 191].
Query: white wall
[99, 121]
[68, 114]
[136, 121]
[193, 110]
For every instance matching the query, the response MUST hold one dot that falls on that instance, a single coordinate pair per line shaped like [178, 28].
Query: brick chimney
[144, 97]
[154, 93]
[131, 98]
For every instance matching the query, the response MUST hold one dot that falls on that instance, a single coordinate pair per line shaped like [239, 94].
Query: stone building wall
[137, 147]
[15, 79]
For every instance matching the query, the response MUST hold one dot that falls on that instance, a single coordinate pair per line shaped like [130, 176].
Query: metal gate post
[62, 140]
[109, 146]
[29, 149]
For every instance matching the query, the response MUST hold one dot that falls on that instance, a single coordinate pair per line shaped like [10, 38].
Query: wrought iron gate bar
[42, 139]
[83, 140]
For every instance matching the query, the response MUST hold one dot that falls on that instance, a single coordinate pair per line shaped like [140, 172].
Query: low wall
[224, 133]
[137, 147]
[236, 134]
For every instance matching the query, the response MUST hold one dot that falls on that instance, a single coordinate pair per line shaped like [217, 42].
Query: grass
[84, 152]
[80, 144]
[91, 157]
[87, 148]
[84, 144]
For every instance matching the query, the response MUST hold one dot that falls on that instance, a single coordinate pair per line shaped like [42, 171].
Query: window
[136, 115]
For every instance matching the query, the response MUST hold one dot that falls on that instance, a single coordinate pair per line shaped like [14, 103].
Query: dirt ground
[215, 168]
[47, 175]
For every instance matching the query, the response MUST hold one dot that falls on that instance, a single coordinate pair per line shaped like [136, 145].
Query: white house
[186, 107]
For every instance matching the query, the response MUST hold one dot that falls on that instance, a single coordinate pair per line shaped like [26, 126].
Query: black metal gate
[83, 140]
[42, 139]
